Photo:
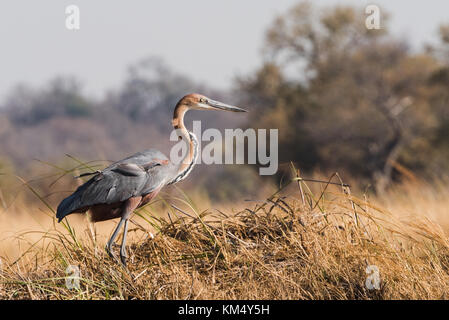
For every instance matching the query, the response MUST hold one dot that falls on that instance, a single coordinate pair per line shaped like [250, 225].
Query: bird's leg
[123, 246]
[113, 237]
[130, 205]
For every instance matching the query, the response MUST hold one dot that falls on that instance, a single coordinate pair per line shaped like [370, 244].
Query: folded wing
[137, 175]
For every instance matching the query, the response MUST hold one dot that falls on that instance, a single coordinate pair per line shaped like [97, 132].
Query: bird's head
[199, 102]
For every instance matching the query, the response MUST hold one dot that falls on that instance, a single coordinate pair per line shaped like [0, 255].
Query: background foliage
[344, 98]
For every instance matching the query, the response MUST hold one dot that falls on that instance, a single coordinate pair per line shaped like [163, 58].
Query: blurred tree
[62, 97]
[439, 99]
[236, 182]
[150, 92]
[343, 97]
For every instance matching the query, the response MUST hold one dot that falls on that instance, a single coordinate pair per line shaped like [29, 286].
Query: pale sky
[209, 41]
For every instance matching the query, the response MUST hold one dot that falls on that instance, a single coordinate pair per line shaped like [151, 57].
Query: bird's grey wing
[132, 169]
[144, 157]
[118, 182]
[121, 182]
[113, 186]
[129, 169]
[105, 188]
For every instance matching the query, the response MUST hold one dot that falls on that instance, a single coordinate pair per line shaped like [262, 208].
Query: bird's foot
[109, 251]
[123, 259]
[123, 256]
[111, 254]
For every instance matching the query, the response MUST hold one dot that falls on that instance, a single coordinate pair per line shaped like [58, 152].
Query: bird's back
[135, 175]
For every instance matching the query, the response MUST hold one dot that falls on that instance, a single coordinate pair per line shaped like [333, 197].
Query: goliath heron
[128, 184]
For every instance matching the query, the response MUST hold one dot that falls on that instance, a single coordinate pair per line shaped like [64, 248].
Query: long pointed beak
[223, 106]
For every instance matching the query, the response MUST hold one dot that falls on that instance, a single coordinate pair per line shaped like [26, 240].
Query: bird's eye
[202, 100]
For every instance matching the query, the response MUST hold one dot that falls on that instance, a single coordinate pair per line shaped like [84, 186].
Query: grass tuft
[293, 245]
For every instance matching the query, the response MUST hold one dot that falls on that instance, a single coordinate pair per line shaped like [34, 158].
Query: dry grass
[291, 246]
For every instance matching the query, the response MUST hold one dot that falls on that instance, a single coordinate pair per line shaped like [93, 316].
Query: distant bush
[349, 99]
[62, 97]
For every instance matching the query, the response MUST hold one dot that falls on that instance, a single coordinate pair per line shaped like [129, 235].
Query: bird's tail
[66, 207]
[72, 203]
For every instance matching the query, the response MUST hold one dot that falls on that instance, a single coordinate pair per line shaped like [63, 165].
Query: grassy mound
[300, 246]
